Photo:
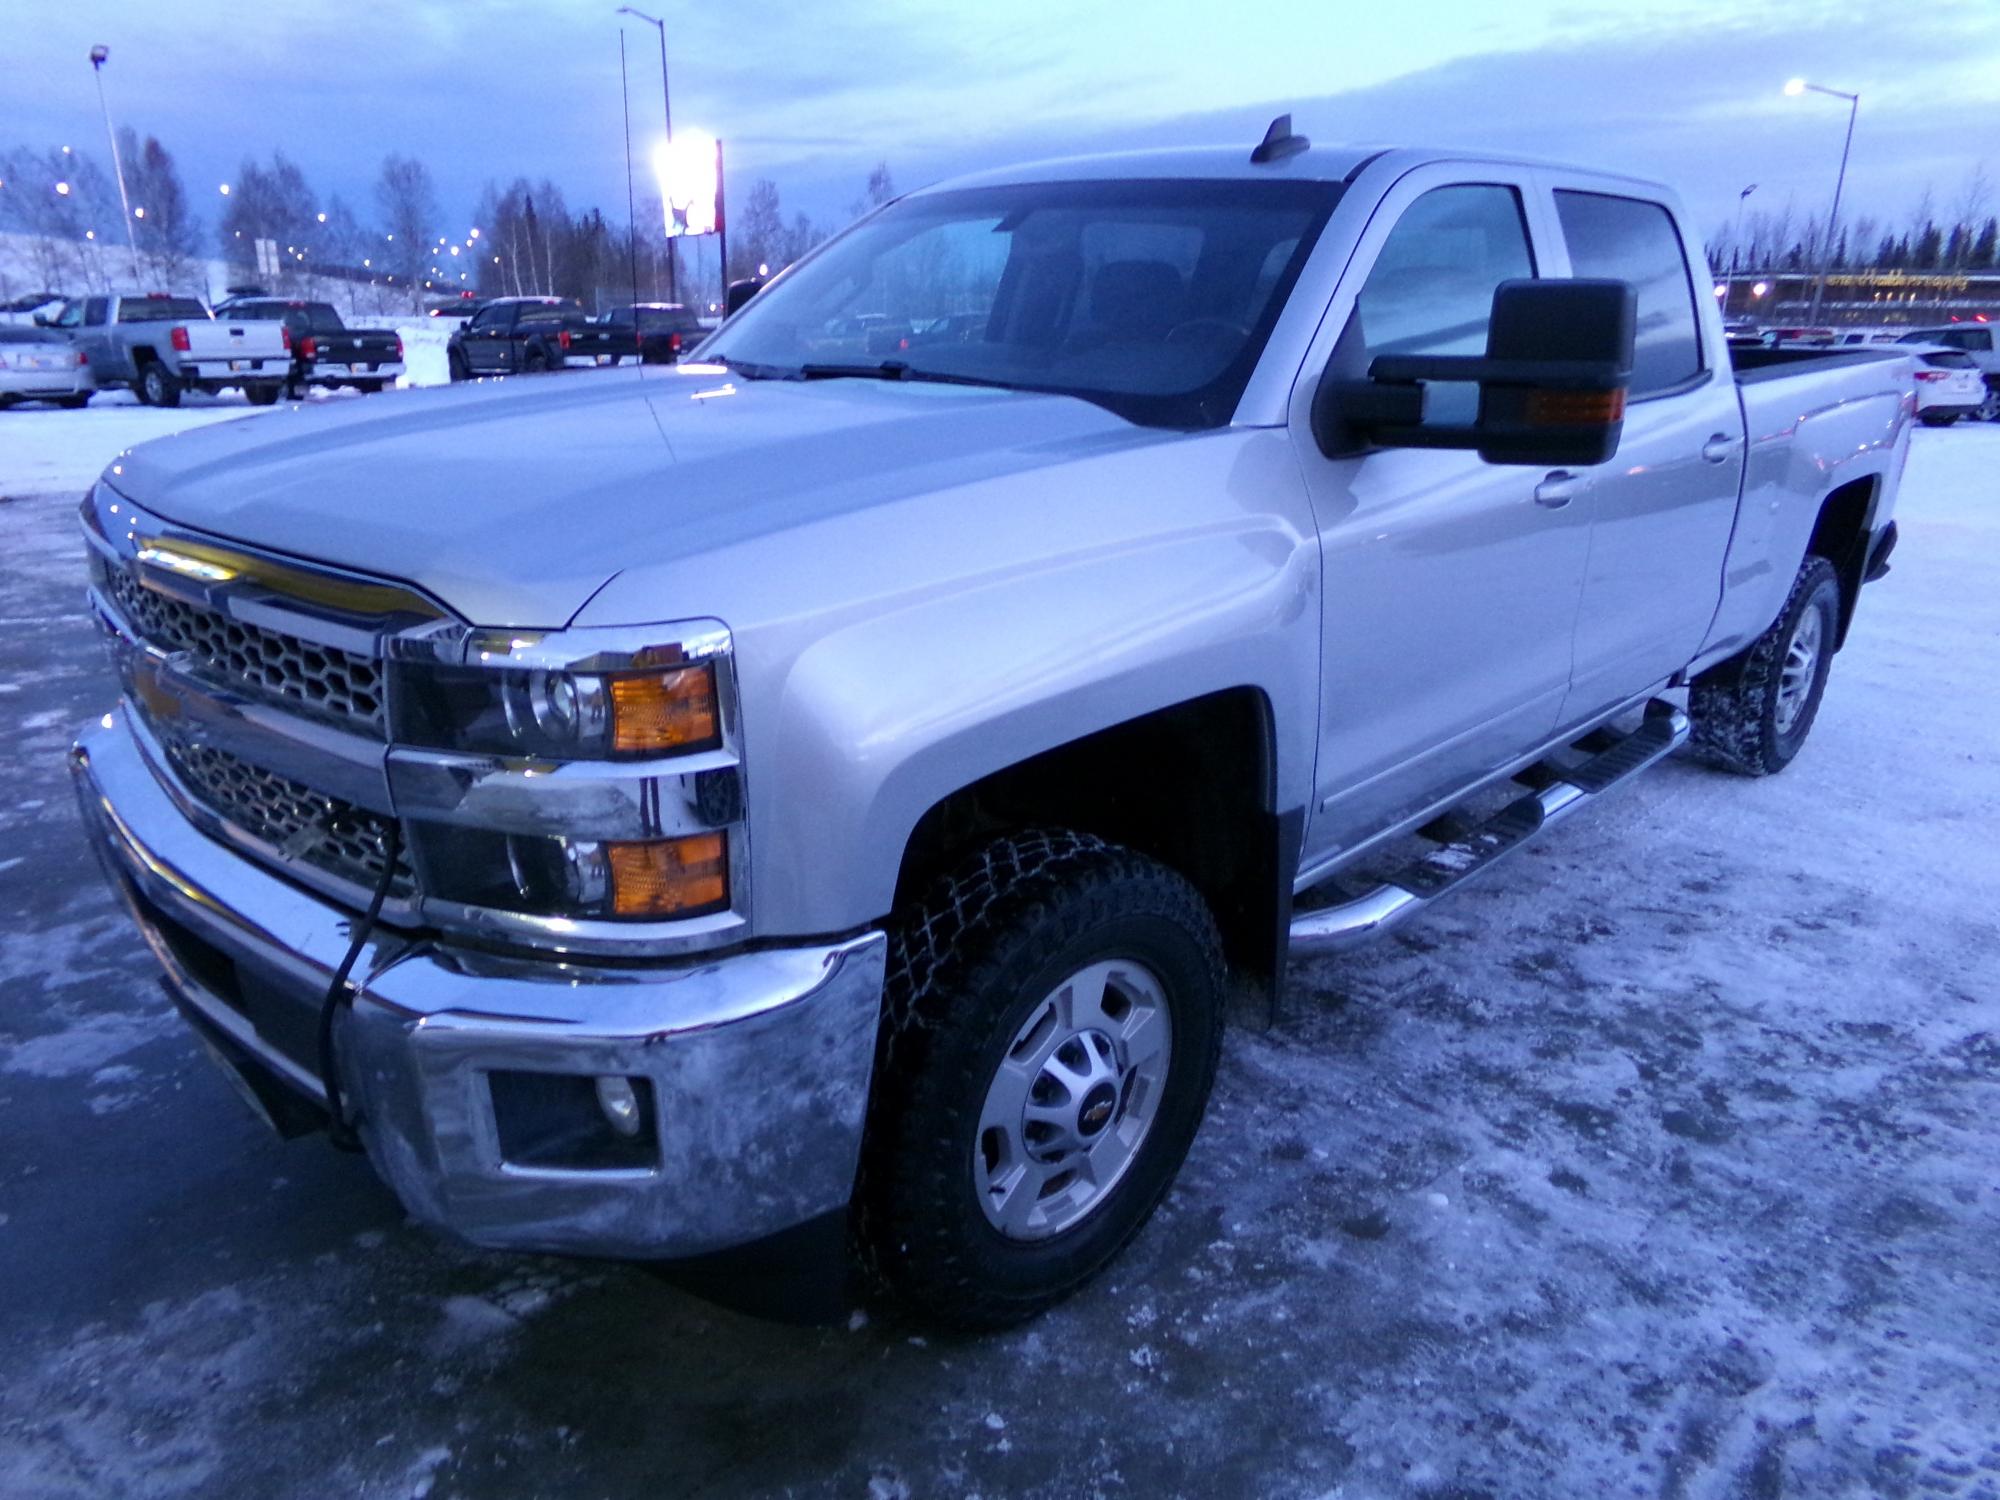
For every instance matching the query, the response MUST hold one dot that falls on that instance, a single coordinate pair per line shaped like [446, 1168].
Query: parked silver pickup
[161, 346]
[762, 798]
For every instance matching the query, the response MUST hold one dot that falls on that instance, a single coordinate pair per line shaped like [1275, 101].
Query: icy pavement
[1660, 1164]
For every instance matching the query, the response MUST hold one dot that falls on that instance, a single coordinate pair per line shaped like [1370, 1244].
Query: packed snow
[1658, 1163]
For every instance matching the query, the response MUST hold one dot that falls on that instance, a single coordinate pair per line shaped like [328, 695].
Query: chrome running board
[1468, 852]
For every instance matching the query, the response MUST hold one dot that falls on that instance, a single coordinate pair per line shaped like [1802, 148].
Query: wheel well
[1192, 786]
[1840, 535]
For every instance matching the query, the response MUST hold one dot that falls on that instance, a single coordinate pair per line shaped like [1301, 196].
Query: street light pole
[1799, 86]
[98, 56]
[1736, 240]
[667, 105]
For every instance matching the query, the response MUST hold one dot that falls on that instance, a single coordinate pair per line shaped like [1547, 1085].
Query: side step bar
[1466, 853]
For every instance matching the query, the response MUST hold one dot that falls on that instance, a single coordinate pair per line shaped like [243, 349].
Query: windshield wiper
[896, 369]
[750, 371]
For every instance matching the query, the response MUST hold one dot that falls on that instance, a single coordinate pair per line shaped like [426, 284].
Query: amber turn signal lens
[1567, 408]
[667, 711]
[669, 877]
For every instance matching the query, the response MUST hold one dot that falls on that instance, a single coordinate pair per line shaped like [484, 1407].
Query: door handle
[1558, 489]
[1718, 447]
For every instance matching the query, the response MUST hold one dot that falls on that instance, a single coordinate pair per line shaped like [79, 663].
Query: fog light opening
[620, 1103]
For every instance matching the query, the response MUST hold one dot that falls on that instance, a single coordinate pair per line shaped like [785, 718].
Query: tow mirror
[1551, 383]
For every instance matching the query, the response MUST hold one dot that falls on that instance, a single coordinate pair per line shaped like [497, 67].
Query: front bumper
[756, 1066]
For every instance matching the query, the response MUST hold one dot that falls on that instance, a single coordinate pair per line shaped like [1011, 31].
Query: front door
[1450, 584]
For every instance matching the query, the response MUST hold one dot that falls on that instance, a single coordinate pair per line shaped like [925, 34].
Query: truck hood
[513, 502]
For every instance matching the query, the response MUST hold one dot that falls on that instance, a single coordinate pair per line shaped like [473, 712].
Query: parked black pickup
[325, 351]
[528, 334]
[661, 331]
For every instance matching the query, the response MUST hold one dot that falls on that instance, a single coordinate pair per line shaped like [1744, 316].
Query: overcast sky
[812, 94]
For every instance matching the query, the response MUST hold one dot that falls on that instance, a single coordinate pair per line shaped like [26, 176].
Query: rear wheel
[535, 363]
[1753, 712]
[157, 385]
[1989, 408]
[369, 387]
[262, 395]
[1053, 1016]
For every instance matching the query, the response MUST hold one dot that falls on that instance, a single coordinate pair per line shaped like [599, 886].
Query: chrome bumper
[757, 1064]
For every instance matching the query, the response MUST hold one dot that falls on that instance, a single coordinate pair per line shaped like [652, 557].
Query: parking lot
[1659, 1163]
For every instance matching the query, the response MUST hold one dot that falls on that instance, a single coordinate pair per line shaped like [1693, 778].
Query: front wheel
[158, 387]
[456, 367]
[1053, 1017]
[1989, 406]
[1753, 712]
[368, 387]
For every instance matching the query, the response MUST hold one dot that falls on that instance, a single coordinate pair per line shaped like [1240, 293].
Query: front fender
[888, 657]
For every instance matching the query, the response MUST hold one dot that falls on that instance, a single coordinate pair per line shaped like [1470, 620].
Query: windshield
[1151, 298]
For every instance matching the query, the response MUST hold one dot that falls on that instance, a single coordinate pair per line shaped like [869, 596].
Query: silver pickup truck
[800, 797]
[161, 346]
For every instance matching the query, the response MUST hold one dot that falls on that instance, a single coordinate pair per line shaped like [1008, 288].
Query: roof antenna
[1278, 143]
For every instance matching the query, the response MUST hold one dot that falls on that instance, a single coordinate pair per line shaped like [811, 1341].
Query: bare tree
[163, 221]
[406, 199]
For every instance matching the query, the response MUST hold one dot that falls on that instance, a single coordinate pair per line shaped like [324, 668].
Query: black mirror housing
[1551, 383]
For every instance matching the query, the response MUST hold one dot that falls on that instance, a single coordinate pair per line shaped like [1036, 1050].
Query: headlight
[560, 715]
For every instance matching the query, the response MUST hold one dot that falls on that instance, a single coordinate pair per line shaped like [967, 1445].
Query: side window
[488, 317]
[95, 311]
[71, 315]
[1630, 240]
[1431, 288]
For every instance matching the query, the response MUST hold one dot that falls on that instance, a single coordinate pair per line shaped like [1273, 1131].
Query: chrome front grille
[335, 684]
[337, 837]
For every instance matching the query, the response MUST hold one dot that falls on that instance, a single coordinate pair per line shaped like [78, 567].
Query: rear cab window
[160, 310]
[1635, 241]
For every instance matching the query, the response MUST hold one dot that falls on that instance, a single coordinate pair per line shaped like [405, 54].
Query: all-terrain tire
[1735, 705]
[969, 962]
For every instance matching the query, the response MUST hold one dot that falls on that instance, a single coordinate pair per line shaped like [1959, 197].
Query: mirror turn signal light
[665, 711]
[1548, 408]
[684, 877]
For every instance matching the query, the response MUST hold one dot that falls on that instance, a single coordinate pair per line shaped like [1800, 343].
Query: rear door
[1662, 510]
[1450, 589]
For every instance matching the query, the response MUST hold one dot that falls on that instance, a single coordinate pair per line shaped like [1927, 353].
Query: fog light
[615, 1096]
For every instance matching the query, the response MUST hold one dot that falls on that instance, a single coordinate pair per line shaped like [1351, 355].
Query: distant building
[1895, 299]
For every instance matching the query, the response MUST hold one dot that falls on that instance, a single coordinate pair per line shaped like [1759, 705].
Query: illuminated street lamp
[99, 55]
[1799, 86]
[225, 190]
[667, 107]
[1760, 288]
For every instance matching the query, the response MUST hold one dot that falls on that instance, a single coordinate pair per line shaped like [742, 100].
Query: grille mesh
[326, 832]
[335, 683]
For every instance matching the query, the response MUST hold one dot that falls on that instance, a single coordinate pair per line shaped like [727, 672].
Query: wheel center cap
[1096, 1110]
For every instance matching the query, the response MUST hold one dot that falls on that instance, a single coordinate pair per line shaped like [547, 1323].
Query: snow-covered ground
[1662, 1163]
